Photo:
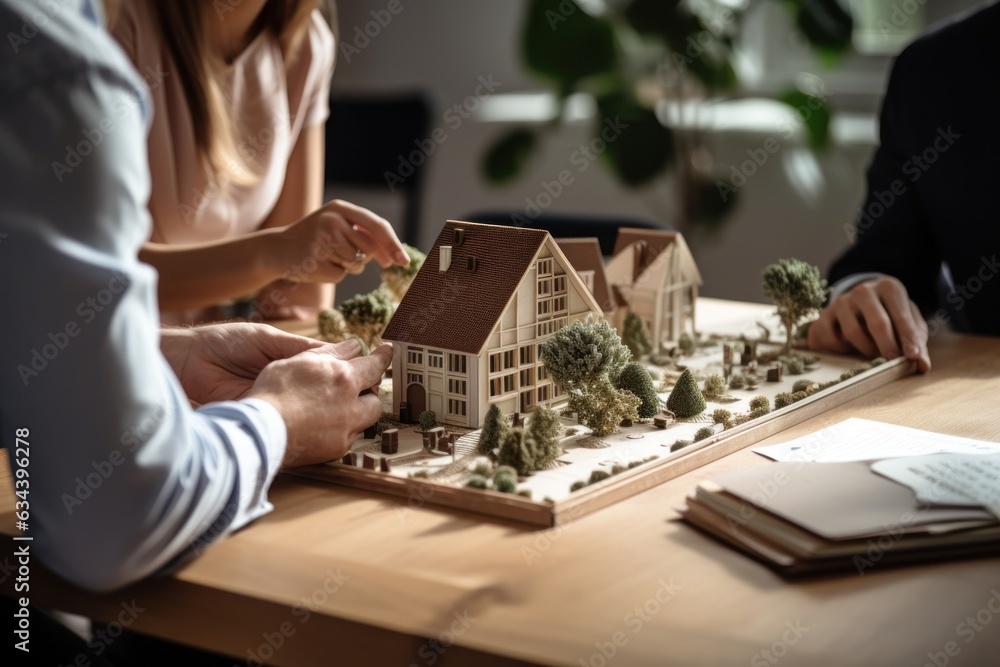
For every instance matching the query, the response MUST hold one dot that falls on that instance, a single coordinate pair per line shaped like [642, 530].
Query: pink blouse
[269, 107]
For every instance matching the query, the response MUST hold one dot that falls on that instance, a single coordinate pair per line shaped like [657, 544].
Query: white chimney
[445, 258]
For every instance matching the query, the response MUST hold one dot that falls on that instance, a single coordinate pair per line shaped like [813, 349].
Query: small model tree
[635, 336]
[582, 358]
[495, 428]
[686, 400]
[584, 352]
[686, 343]
[396, 279]
[543, 431]
[366, 316]
[759, 406]
[797, 290]
[428, 420]
[715, 387]
[517, 451]
[636, 379]
[604, 407]
[332, 326]
[721, 416]
[703, 432]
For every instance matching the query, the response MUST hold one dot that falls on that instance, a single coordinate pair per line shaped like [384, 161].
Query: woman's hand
[336, 239]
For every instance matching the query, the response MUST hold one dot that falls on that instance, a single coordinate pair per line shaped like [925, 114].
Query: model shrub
[505, 483]
[517, 452]
[782, 399]
[802, 385]
[715, 387]
[396, 279]
[686, 343]
[602, 407]
[477, 482]
[427, 420]
[737, 382]
[760, 403]
[794, 365]
[495, 428]
[636, 379]
[598, 476]
[686, 399]
[635, 336]
[679, 444]
[543, 431]
[703, 432]
[721, 416]
[367, 314]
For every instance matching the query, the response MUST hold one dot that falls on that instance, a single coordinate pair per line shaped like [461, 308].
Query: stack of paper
[804, 517]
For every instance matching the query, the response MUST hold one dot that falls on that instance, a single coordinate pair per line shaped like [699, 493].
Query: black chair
[565, 225]
[376, 142]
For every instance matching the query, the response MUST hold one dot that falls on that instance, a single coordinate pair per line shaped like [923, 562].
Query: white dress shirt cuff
[257, 437]
[845, 284]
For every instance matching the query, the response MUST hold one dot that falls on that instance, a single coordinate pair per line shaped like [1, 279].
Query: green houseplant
[636, 52]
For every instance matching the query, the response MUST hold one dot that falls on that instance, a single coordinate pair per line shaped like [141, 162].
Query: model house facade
[653, 274]
[469, 330]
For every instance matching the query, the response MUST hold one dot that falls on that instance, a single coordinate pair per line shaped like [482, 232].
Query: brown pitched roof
[649, 243]
[458, 308]
[585, 255]
[652, 243]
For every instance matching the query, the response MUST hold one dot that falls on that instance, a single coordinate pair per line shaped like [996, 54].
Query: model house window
[527, 401]
[456, 363]
[527, 354]
[543, 373]
[414, 377]
[415, 357]
[457, 386]
[559, 304]
[496, 387]
[545, 267]
[456, 407]
[543, 393]
[509, 360]
[527, 377]
[508, 383]
[588, 279]
[435, 359]
[543, 307]
[544, 287]
[559, 284]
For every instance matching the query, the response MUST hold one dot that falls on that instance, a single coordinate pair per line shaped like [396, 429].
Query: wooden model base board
[552, 503]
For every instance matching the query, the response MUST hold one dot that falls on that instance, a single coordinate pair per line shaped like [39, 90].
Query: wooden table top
[345, 577]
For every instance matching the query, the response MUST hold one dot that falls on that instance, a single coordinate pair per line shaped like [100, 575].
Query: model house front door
[416, 398]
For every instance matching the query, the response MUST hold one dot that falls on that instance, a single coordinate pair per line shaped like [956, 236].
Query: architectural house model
[585, 256]
[468, 331]
[653, 274]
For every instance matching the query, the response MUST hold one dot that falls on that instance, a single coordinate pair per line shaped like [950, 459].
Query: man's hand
[319, 395]
[874, 318]
[221, 362]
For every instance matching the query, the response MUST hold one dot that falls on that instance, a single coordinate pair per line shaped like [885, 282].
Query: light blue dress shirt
[125, 478]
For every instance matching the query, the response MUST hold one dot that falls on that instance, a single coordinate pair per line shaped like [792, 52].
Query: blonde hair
[182, 29]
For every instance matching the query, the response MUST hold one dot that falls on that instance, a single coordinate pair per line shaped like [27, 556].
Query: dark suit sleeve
[891, 233]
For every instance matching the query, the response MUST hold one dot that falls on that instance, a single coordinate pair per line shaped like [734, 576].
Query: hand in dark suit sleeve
[892, 237]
